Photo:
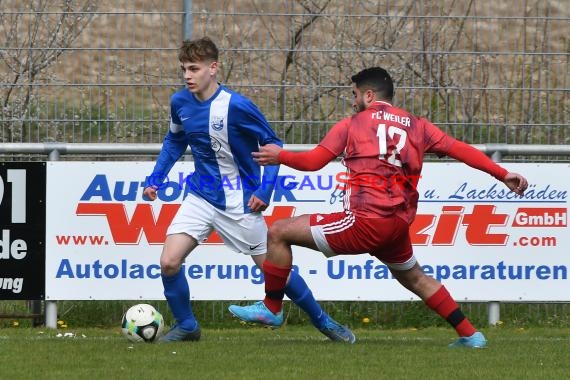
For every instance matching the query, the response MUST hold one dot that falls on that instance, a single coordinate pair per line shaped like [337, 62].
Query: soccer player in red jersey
[385, 142]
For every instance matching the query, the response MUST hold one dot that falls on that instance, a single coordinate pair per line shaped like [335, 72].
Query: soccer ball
[142, 323]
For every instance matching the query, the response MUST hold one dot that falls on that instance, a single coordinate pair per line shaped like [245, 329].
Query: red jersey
[384, 148]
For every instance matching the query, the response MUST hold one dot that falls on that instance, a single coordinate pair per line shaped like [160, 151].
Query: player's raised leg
[280, 280]
[437, 298]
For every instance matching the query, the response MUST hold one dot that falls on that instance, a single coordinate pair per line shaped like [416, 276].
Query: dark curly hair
[376, 79]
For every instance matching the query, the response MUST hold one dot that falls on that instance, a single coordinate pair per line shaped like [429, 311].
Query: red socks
[442, 303]
[275, 282]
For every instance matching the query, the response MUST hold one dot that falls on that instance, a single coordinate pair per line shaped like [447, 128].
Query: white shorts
[245, 233]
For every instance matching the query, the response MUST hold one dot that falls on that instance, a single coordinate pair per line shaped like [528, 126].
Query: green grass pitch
[291, 352]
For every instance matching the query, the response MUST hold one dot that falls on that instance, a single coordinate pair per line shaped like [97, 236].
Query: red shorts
[343, 233]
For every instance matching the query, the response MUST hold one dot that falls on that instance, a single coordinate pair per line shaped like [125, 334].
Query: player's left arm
[478, 160]
[261, 197]
[254, 123]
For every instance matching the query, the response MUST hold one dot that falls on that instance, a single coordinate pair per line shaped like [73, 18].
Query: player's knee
[276, 231]
[169, 266]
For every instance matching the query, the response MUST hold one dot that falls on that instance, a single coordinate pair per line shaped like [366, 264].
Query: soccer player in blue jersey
[222, 128]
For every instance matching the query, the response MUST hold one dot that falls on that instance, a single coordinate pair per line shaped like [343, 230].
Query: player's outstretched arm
[476, 159]
[312, 160]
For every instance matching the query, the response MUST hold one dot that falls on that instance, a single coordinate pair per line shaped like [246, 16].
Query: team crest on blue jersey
[215, 144]
[217, 123]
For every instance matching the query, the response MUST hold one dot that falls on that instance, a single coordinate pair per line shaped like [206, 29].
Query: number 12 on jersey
[388, 132]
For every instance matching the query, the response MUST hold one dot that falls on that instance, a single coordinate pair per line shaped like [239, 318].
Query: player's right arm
[329, 148]
[174, 146]
[312, 160]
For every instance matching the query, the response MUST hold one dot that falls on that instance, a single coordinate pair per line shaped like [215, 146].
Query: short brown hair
[201, 49]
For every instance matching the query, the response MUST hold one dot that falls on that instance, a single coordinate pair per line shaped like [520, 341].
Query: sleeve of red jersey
[331, 146]
[476, 159]
[312, 160]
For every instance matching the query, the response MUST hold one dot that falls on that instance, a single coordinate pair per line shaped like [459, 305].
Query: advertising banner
[22, 230]
[485, 243]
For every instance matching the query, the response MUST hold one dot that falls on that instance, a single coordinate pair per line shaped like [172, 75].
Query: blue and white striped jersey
[222, 132]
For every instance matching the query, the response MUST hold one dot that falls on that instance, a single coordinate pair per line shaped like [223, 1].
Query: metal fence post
[493, 307]
[51, 314]
[51, 306]
[187, 20]
[494, 312]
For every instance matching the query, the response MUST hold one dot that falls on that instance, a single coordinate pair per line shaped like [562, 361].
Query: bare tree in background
[322, 48]
[478, 69]
[35, 33]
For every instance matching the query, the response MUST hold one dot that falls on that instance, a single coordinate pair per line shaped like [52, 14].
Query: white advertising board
[103, 240]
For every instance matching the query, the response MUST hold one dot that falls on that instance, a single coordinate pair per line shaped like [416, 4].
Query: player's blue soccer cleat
[177, 334]
[337, 332]
[257, 313]
[476, 340]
